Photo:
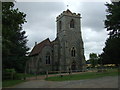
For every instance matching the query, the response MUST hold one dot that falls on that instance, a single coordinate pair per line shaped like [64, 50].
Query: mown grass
[87, 75]
[8, 83]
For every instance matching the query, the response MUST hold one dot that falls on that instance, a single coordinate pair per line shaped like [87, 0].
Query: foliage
[112, 23]
[14, 40]
[11, 74]
[8, 74]
[111, 50]
[10, 70]
[93, 59]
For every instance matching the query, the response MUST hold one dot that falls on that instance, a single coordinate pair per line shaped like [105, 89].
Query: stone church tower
[65, 53]
[70, 40]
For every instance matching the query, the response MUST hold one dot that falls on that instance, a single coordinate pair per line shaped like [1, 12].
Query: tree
[14, 40]
[112, 22]
[93, 59]
[111, 50]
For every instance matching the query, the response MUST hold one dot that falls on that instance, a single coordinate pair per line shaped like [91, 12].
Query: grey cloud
[39, 12]
[40, 19]
[90, 35]
[93, 15]
[93, 32]
[93, 47]
[41, 22]
[93, 41]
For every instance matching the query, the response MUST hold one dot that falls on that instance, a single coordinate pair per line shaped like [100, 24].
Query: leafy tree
[14, 40]
[100, 59]
[111, 50]
[93, 59]
[112, 22]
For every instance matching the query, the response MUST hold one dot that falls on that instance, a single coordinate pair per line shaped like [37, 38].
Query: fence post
[12, 75]
[70, 71]
[60, 73]
[47, 74]
[36, 75]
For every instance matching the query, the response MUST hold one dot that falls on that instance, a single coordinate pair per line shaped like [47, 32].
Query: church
[64, 53]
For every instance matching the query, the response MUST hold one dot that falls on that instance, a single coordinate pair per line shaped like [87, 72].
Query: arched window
[60, 25]
[47, 58]
[73, 52]
[72, 24]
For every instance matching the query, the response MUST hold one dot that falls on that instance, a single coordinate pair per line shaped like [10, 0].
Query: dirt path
[103, 82]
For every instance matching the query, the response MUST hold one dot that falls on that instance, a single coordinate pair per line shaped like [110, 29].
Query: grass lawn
[87, 75]
[8, 83]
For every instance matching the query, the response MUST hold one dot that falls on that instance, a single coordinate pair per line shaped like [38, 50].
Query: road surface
[103, 82]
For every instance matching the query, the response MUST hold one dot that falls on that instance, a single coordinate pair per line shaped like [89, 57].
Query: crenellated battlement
[68, 13]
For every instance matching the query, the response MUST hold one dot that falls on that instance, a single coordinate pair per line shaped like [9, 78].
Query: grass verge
[8, 83]
[87, 75]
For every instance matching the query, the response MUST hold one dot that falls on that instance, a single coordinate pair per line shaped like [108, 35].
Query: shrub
[11, 74]
[8, 74]
[19, 76]
[102, 70]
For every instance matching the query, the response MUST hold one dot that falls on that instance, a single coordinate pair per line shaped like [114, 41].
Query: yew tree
[111, 51]
[14, 48]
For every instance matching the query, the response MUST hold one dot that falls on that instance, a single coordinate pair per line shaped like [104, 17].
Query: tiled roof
[37, 48]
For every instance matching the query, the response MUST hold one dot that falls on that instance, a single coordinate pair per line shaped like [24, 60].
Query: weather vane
[67, 6]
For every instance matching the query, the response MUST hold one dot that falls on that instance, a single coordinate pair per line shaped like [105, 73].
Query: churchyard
[91, 74]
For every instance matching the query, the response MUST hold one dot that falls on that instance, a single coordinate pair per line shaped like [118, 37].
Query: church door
[73, 66]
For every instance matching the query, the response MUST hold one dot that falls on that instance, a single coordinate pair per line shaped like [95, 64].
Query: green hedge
[8, 74]
[11, 74]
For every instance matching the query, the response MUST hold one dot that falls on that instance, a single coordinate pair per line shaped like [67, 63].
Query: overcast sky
[41, 21]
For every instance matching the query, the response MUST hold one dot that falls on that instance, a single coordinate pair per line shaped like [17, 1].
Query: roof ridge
[37, 48]
[44, 41]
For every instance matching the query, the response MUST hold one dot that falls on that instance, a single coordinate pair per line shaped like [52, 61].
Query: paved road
[103, 82]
